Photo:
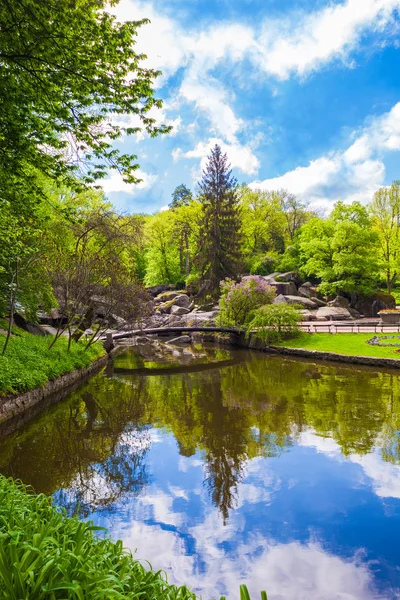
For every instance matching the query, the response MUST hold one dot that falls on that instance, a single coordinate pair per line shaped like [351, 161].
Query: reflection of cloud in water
[288, 571]
[385, 476]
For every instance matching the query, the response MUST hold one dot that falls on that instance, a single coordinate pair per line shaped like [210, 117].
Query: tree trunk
[84, 324]
[187, 270]
[13, 295]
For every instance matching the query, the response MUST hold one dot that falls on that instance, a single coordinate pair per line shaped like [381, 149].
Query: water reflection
[281, 473]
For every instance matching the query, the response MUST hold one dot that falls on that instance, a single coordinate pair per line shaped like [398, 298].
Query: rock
[291, 276]
[354, 313]
[270, 278]
[179, 310]
[369, 306]
[340, 302]
[143, 340]
[182, 300]
[183, 339]
[200, 318]
[167, 296]
[155, 290]
[333, 313]
[286, 288]
[280, 299]
[307, 315]
[33, 328]
[318, 302]
[308, 290]
[303, 302]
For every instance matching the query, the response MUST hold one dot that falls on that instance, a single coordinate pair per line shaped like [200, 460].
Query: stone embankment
[16, 410]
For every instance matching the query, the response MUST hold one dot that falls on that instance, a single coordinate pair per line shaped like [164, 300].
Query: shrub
[238, 300]
[274, 323]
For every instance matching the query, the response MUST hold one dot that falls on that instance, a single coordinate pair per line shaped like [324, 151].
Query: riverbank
[30, 364]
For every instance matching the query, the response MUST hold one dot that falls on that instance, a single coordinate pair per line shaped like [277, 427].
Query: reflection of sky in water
[281, 474]
[309, 525]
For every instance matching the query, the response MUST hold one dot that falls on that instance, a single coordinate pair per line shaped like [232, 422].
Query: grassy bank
[46, 555]
[353, 344]
[29, 364]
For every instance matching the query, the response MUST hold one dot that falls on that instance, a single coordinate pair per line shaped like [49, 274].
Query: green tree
[341, 251]
[69, 72]
[181, 196]
[385, 213]
[219, 254]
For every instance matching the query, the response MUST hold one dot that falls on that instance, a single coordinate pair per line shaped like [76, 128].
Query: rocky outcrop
[340, 302]
[179, 310]
[369, 306]
[333, 313]
[303, 302]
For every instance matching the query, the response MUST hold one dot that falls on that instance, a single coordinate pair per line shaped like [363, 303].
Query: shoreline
[18, 409]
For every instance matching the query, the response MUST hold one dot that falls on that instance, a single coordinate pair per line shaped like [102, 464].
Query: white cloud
[353, 174]
[385, 476]
[115, 183]
[240, 156]
[318, 38]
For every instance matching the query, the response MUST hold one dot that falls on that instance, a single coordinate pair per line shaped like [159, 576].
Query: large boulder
[167, 296]
[179, 310]
[303, 302]
[182, 300]
[33, 328]
[155, 290]
[369, 306]
[286, 288]
[333, 313]
[308, 290]
[308, 315]
[318, 302]
[280, 299]
[291, 276]
[340, 302]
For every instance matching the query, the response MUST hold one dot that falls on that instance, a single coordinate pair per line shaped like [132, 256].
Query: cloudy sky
[302, 94]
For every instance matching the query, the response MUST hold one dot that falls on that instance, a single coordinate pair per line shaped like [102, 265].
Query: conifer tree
[219, 253]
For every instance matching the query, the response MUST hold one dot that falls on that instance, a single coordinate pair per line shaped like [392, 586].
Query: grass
[353, 344]
[46, 555]
[29, 364]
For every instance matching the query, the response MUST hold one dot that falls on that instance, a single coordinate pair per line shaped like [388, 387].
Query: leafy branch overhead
[65, 82]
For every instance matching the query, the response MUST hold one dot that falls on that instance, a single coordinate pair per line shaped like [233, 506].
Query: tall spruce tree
[219, 253]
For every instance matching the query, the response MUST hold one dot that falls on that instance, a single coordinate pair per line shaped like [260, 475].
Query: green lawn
[354, 344]
[29, 364]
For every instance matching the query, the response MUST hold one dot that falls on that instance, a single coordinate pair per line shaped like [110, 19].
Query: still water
[226, 466]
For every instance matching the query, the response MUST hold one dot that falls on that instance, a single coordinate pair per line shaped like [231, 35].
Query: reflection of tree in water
[94, 445]
[100, 485]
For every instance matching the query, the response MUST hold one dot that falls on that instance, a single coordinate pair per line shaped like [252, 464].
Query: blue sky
[302, 94]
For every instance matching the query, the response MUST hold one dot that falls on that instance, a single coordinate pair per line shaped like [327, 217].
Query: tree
[181, 196]
[385, 213]
[69, 77]
[90, 268]
[219, 255]
[341, 251]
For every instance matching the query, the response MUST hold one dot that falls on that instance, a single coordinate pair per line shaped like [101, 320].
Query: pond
[225, 466]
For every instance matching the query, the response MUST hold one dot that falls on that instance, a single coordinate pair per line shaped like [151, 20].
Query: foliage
[385, 214]
[69, 87]
[30, 363]
[65, 556]
[219, 251]
[341, 250]
[239, 299]
[264, 265]
[274, 323]
[181, 196]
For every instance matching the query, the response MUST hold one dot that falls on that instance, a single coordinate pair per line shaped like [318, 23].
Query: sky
[303, 95]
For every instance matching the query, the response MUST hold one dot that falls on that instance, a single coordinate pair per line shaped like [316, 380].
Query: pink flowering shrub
[238, 300]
